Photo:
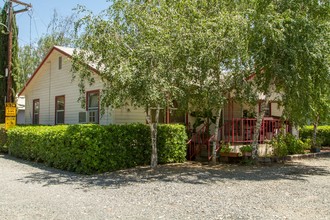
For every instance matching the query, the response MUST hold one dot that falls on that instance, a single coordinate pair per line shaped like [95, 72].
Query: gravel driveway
[297, 190]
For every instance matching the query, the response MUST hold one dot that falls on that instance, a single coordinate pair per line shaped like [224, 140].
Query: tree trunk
[315, 124]
[257, 128]
[153, 131]
[216, 137]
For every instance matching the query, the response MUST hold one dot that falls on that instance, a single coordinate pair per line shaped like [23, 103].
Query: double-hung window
[93, 106]
[59, 109]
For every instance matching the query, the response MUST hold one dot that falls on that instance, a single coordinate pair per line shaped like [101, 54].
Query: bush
[246, 148]
[287, 144]
[171, 141]
[3, 139]
[323, 134]
[94, 148]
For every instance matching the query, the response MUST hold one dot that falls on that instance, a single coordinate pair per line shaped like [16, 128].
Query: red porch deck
[238, 131]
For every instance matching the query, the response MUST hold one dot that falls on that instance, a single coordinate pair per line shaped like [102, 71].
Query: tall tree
[290, 52]
[4, 58]
[132, 52]
[60, 32]
[212, 45]
[154, 52]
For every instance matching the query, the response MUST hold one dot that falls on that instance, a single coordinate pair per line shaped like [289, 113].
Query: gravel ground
[296, 190]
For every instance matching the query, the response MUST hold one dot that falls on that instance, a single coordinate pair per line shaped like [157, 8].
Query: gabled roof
[66, 51]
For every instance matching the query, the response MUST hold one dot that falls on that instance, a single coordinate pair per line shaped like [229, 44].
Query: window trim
[56, 98]
[97, 91]
[33, 111]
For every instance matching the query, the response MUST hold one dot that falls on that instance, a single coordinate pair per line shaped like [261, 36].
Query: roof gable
[65, 51]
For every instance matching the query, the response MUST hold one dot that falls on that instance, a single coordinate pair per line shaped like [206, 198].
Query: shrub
[294, 145]
[3, 139]
[171, 143]
[323, 134]
[94, 148]
[279, 146]
[287, 144]
[246, 148]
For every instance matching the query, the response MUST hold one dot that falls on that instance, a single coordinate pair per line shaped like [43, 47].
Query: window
[59, 109]
[268, 111]
[36, 111]
[59, 63]
[82, 117]
[170, 115]
[93, 106]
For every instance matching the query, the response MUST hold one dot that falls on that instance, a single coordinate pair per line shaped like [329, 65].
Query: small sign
[10, 109]
[10, 122]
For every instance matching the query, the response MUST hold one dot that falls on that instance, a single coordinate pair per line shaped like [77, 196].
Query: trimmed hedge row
[3, 139]
[323, 134]
[94, 148]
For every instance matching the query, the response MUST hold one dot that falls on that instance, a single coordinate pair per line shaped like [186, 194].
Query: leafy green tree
[289, 46]
[157, 51]
[211, 43]
[131, 51]
[60, 32]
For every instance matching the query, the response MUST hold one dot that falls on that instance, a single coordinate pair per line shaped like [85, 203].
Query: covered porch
[237, 128]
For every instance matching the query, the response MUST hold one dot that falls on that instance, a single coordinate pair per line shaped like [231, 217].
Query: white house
[51, 96]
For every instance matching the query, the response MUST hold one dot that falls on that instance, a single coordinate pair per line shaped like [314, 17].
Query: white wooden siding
[50, 82]
[276, 110]
[129, 114]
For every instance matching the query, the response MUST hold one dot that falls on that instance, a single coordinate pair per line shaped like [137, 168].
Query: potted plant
[246, 150]
[226, 151]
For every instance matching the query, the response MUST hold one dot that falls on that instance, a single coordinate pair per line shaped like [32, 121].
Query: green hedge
[3, 139]
[94, 148]
[323, 134]
[287, 144]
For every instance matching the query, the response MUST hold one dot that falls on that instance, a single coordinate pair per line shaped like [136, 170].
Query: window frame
[88, 109]
[270, 109]
[172, 110]
[34, 117]
[56, 109]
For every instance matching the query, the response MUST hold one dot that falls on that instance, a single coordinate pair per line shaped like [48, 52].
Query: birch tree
[153, 52]
[213, 46]
[60, 32]
[289, 46]
[131, 49]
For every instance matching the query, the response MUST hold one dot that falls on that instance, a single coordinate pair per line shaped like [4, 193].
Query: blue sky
[42, 12]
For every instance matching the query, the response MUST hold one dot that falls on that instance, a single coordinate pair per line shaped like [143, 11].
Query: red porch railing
[236, 131]
[241, 130]
[197, 140]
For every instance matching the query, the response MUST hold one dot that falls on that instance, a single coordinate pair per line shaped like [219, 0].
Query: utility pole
[10, 112]
[10, 42]
[10, 46]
